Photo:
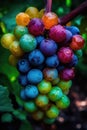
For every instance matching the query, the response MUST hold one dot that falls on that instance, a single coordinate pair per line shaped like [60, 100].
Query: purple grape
[58, 33]
[36, 27]
[48, 47]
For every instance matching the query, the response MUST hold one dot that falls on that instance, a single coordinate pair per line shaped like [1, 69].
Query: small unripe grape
[15, 49]
[79, 53]
[49, 19]
[55, 93]
[41, 13]
[32, 12]
[55, 81]
[63, 103]
[38, 115]
[65, 85]
[13, 60]
[19, 31]
[53, 112]
[22, 19]
[7, 39]
[42, 101]
[44, 87]
[30, 106]
[27, 42]
[49, 120]
[77, 42]
[50, 74]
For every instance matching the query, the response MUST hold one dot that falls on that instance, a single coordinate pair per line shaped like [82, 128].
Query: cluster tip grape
[45, 54]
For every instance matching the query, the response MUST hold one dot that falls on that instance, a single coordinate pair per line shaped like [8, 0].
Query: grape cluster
[45, 54]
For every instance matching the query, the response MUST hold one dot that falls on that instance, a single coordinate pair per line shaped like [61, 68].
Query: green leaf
[7, 117]
[20, 114]
[26, 126]
[5, 102]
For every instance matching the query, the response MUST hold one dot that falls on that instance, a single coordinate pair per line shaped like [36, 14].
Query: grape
[74, 61]
[38, 115]
[27, 42]
[53, 112]
[73, 29]
[23, 80]
[67, 74]
[44, 87]
[31, 91]
[20, 31]
[41, 100]
[52, 61]
[30, 106]
[63, 102]
[22, 94]
[45, 54]
[32, 12]
[65, 85]
[23, 66]
[48, 47]
[50, 74]
[65, 54]
[7, 39]
[77, 42]
[34, 76]
[58, 33]
[55, 93]
[22, 19]
[36, 58]
[49, 19]
[16, 49]
[36, 27]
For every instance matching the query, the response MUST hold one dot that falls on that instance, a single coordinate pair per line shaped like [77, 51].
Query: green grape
[65, 85]
[42, 100]
[38, 115]
[63, 103]
[55, 93]
[30, 106]
[44, 87]
[53, 112]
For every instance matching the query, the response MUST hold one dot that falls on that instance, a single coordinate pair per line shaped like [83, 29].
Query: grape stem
[48, 6]
[65, 19]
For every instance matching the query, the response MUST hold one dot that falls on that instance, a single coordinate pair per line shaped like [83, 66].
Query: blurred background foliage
[9, 74]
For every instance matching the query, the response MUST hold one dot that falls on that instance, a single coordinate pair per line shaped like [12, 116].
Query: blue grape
[31, 91]
[36, 58]
[23, 66]
[23, 80]
[34, 76]
[73, 29]
[74, 61]
[48, 47]
[39, 39]
[52, 61]
[22, 94]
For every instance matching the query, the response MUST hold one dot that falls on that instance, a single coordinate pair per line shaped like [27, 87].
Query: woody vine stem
[68, 17]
